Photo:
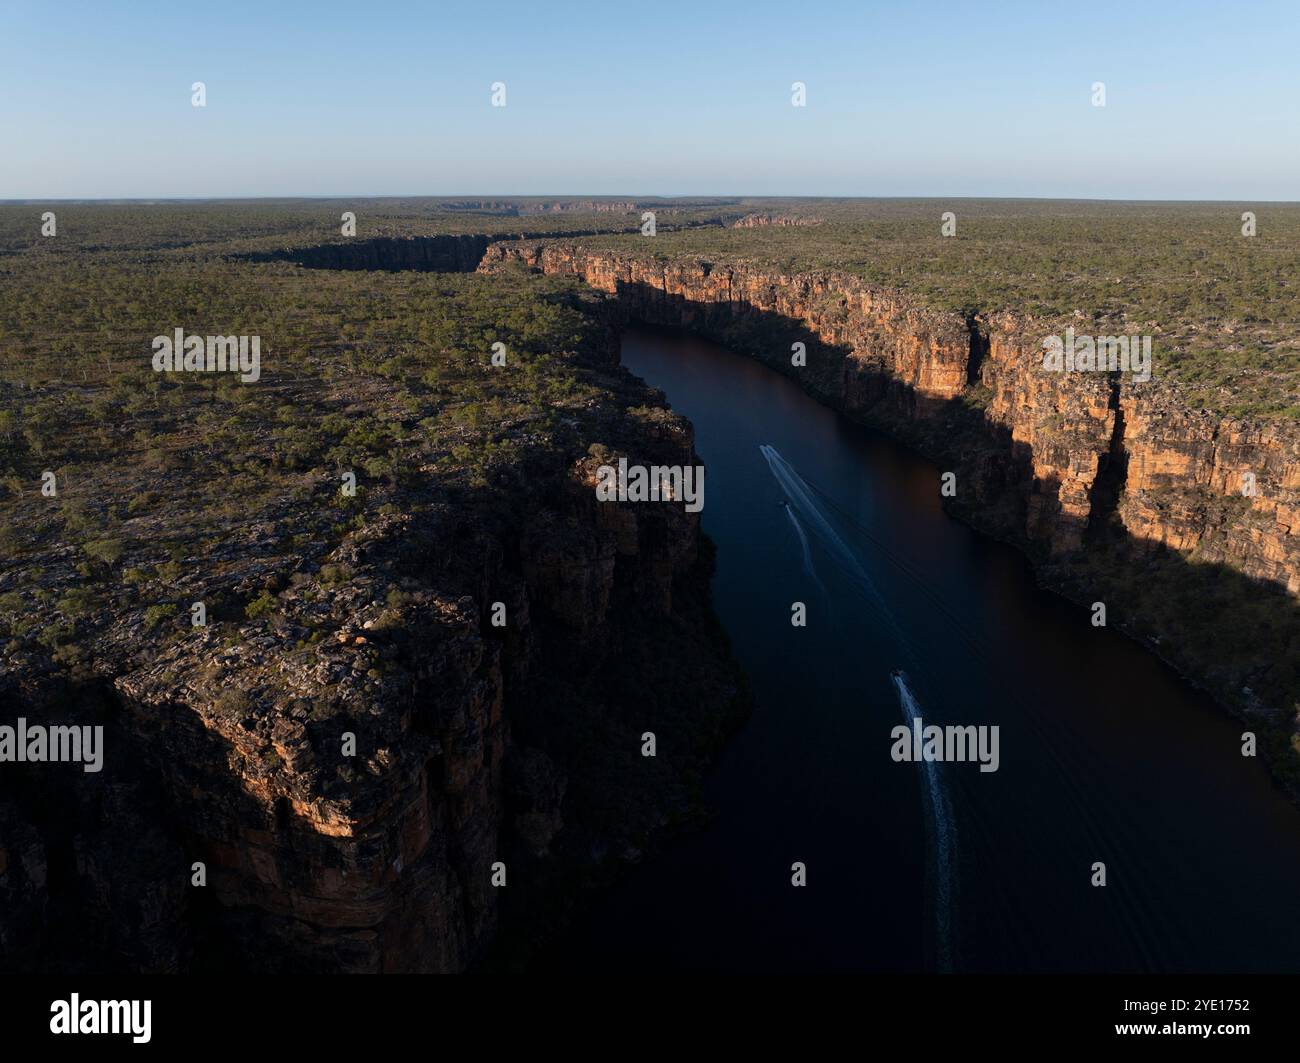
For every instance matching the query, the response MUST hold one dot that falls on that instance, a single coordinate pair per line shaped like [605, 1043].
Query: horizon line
[212, 198]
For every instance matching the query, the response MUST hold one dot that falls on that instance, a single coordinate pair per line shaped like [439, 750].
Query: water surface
[1105, 754]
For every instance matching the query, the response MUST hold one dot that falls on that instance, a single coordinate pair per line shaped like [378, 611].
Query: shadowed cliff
[1115, 492]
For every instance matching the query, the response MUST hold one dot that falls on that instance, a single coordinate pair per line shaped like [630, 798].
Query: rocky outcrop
[481, 206]
[759, 221]
[347, 774]
[579, 206]
[516, 208]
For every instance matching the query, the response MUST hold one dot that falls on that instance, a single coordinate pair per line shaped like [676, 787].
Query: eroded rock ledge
[474, 743]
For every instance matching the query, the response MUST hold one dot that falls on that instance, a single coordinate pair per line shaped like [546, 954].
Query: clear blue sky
[921, 98]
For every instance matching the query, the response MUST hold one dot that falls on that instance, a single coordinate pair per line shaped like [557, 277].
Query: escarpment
[758, 221]
[451, 253]
[406, 738]
[1117, 490]
[434, 254]
[442, 253]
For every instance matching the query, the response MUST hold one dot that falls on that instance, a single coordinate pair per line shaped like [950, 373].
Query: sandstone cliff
[1103, 480]
[758, 221]
[451, 253]
[229, 745]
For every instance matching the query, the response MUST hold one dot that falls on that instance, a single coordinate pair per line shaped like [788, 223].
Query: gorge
[487, 643]
[1048, 461]
[1122, 764]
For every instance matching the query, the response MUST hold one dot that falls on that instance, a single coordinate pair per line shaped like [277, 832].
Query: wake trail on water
[941, 832]
[807, 549]
[1072, 773]
[941, 837]
[802, 499]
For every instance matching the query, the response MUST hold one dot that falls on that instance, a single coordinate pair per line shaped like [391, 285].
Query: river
[1105, 755]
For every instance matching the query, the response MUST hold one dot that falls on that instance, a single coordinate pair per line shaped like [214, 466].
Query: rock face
[230, 746]
[435, 254]
[584, 206]
[23, 884]
[758, 221]
[515, 208]
[64, 885]
[452, 253]
[1186, 475]
[1054, 461]
[1058, 431]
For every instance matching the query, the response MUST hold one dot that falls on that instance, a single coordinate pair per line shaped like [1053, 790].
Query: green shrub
[263, 605]
[78, 602]
[156, 614]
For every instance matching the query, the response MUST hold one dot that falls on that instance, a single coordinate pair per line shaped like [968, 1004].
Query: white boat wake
[802, 499]
[942, 840]
[941, 837]
[807, 550]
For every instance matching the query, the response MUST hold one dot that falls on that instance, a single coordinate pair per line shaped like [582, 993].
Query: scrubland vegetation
[1223, 309]
[387, 376]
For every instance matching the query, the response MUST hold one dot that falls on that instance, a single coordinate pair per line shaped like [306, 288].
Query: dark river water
[1105, 755]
